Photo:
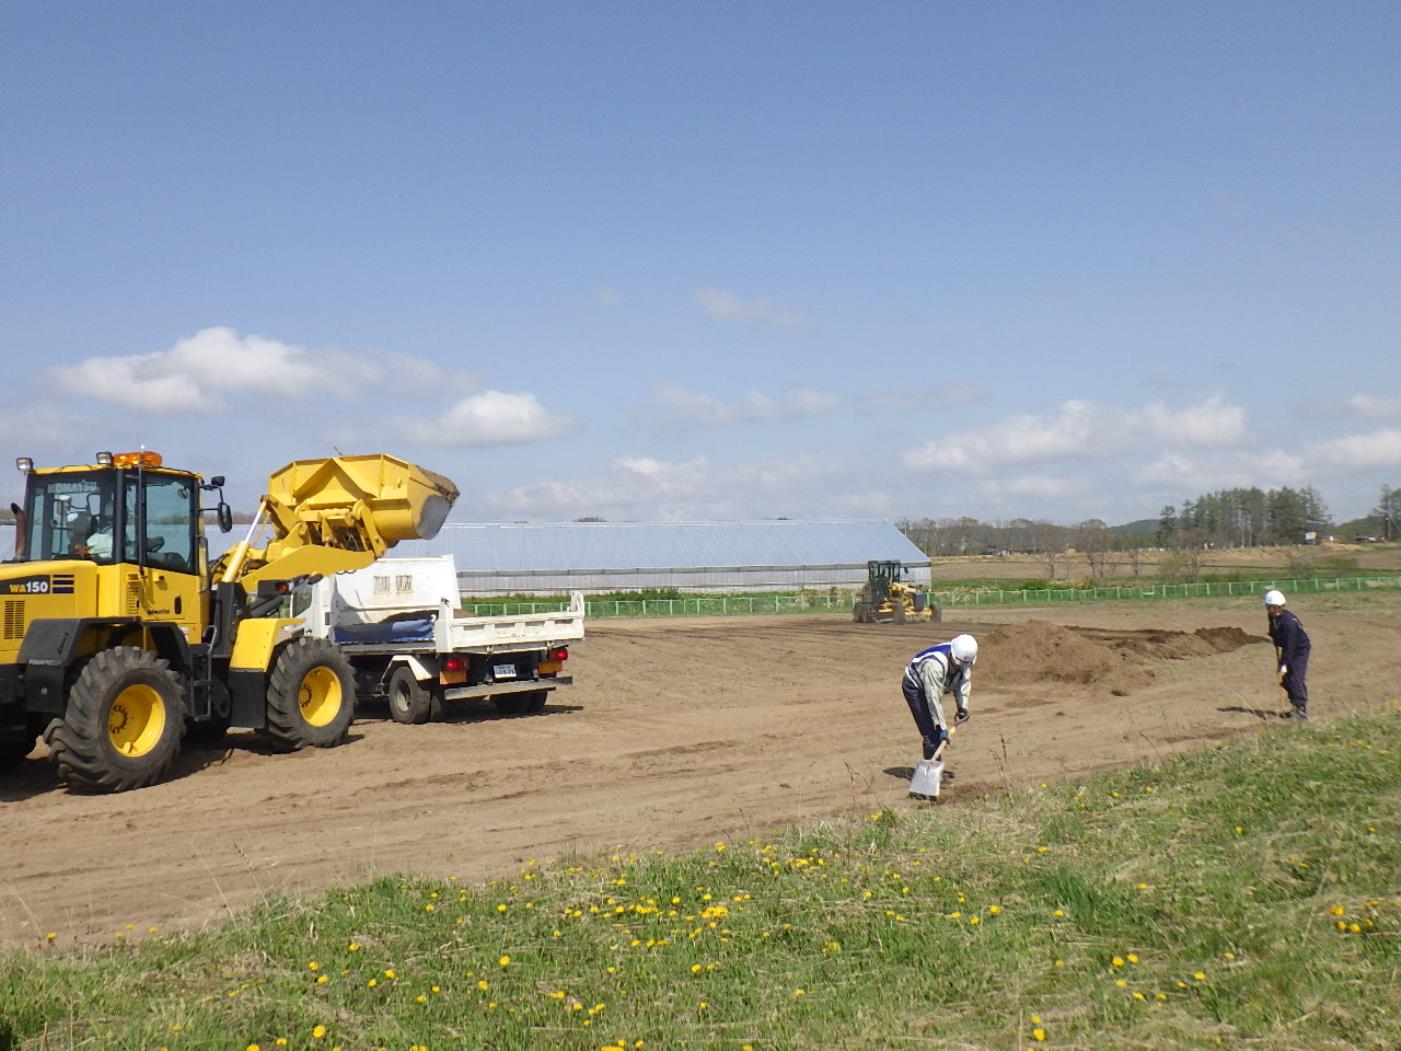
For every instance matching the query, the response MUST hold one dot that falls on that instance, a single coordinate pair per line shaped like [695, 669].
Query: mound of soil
[1037, 651]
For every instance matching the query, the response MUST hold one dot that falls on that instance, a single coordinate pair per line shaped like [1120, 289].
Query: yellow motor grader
[120, 637]
[886, 598]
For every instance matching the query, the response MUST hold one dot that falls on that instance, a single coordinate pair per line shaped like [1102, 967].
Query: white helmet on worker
[1274, 598]
[964, 649]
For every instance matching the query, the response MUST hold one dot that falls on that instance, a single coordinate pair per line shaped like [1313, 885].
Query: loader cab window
[167, 506]
[70, 516]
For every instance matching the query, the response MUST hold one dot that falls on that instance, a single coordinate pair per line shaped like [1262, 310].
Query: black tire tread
[79, 742]
[419, 706]
[289, 731]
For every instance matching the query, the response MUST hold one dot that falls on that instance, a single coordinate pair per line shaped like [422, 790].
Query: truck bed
[456, 631]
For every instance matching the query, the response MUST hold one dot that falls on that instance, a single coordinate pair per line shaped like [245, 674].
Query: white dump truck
[400, 622]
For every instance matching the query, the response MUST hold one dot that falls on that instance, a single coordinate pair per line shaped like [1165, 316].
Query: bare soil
[676, 733]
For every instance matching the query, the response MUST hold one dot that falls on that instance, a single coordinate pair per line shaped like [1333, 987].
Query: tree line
[1251, 517]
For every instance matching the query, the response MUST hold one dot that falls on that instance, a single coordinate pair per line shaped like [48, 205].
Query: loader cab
[127, 511]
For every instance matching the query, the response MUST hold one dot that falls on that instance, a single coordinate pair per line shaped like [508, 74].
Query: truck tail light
[454, 664]
[561, 654]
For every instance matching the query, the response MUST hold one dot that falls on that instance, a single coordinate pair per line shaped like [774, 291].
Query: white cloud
[1079, 430]
[198, 373]
[1211, 422]
[704, 408]
[805, 402]
[490, 418]
[1043, 487]
[1018, 439]
[1380, 448]
[1370, 407]
[729, 307]
[1224, 470]
[645, 487]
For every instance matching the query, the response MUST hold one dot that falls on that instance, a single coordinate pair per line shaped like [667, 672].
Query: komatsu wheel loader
[119, 636]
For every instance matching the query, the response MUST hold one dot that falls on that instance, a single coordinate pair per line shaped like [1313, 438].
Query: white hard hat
[964, 648]
[1274, 598]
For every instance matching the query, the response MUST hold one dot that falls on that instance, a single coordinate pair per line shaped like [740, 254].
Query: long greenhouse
[596, 557]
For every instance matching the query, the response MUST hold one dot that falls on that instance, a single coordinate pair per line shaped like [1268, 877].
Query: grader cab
[886, 597]
[119, 637]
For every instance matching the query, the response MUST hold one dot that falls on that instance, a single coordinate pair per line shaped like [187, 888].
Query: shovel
[929, 775]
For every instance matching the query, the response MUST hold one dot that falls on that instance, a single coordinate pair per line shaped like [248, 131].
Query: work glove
[1284, 669]
[962, 716]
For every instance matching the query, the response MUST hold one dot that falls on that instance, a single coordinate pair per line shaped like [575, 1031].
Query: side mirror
[217, 481]
[225, 517]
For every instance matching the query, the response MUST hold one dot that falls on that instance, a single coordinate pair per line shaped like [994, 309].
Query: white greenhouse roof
[583, 546]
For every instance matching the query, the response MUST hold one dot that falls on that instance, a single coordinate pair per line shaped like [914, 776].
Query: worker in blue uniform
[941, 669]
[1291, 654]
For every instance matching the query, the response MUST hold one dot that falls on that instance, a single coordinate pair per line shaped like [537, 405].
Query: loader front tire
[123, 724]
[409, 702]
[311, 696]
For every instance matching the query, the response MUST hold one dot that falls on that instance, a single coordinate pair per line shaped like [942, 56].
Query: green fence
[1208, 589]
[729, 605]
[690, 606]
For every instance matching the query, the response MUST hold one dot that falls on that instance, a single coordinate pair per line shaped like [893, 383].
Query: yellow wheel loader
[119, 637]
[886, 598]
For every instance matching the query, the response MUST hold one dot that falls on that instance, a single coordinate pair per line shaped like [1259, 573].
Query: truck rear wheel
[409, 702]
[311, 696]
[521, 703]
[123, 724]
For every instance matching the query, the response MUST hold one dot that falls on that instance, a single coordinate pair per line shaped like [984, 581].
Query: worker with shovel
[1291, 654]
[941, 669]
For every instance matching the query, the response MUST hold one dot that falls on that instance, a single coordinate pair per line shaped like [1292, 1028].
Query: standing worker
[1291, 654]
[941, 669]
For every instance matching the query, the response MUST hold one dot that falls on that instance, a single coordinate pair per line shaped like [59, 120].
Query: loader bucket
[358, 503]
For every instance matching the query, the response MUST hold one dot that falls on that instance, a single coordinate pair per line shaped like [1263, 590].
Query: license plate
[504, 671]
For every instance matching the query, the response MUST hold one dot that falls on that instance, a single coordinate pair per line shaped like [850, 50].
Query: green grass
[1242, 896]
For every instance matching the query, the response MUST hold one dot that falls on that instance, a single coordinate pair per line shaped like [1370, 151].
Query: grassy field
[1245, 894]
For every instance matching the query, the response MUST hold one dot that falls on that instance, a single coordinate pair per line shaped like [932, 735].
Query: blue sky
[666, 261]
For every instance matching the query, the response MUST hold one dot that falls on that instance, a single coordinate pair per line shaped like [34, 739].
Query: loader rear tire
[123, 724]
[521, 703]
[311, 696]
[935, 612]
[409, 702]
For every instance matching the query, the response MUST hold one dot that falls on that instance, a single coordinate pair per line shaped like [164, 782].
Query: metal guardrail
[723, 605]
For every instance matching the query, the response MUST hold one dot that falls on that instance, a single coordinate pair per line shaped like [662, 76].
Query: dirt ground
[1118, 567]
[676, 733]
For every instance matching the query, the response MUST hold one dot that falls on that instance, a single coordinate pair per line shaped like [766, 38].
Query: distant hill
[1143, 527]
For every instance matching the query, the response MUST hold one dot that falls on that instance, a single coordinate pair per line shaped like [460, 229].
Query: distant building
[598, 557]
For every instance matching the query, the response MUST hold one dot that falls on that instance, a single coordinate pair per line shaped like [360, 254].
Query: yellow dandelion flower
[321, 979]
[353, 947]
[1199, 975]
[51, 935]
[1059, 914]
[318, 1031]
[1118, 961]
[974, 920]
[1160, 996]
[1035, 1019]
[1338, 910]
[483, 984]
[704, 1006]
[505, 961]
[1228, 955]
[421, 998]
[994, 909]
[799, 992]
[501, 907]
[372, 982]
[1122, 983]
[695, 968]
[1133, 957]
[720, 848]
[1038, 1034]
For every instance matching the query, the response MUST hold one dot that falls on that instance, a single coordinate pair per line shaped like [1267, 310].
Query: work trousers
[1294, 684]
[931, 734]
